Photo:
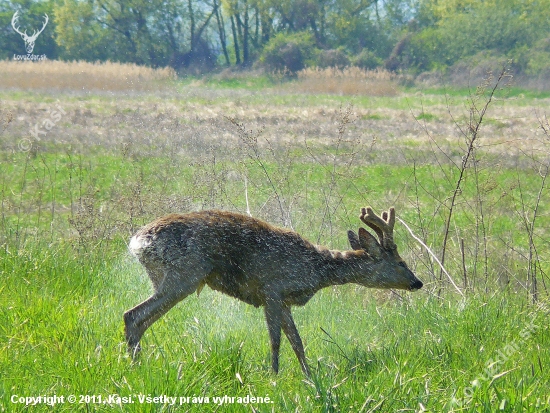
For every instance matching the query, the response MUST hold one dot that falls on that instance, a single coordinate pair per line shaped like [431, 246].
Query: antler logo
[29, 40]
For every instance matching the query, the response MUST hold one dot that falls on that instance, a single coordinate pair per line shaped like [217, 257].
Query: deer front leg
[273, 315]
[293, 336]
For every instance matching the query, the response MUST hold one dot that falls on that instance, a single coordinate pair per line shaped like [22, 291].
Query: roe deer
[259, 264]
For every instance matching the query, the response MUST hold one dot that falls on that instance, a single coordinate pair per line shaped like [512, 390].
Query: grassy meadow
[94, 152]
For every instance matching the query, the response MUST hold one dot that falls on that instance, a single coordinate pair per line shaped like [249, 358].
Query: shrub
[472, 70]
[332, 58]
[538, 59]
[539, 64]
[367, 60]
[288, 52]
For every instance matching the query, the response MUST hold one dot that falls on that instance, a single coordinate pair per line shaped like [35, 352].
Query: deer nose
[417, 285]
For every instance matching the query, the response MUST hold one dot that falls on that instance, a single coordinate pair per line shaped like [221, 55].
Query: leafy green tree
[461, 28]
[80, 35]
[348, 24]
[151, 32]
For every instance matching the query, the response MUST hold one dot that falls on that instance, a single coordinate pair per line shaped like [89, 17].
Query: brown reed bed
[81, 76]
[348, 81]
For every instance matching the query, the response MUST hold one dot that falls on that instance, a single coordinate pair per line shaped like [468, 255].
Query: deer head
[29, 40]
[389, 269]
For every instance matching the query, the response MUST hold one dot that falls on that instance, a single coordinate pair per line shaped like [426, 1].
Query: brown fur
[255, 262]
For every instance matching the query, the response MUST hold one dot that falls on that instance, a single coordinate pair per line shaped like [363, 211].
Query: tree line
[201, 35]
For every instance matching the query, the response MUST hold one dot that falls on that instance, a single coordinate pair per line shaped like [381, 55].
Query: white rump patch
[138, 244]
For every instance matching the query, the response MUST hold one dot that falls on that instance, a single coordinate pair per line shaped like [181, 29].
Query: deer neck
[342, 267]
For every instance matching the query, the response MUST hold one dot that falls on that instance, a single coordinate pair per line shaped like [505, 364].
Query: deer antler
[383, 226]
[14, 22]
[46, 19]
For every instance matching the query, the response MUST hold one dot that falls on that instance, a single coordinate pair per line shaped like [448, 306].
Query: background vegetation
[435, 37]
[467, 170]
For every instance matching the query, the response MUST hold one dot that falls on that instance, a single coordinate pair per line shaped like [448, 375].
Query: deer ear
[354, 240]
[369, 243]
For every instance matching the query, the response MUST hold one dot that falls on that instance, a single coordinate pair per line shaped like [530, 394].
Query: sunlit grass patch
[373, 116]
[427, 117]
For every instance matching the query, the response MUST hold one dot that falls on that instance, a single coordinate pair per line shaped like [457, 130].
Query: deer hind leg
[273, 315]
[293, 336]
[175, 286]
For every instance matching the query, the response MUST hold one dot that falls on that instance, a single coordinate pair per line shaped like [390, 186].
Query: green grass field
[70, 201]
[62, 335]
